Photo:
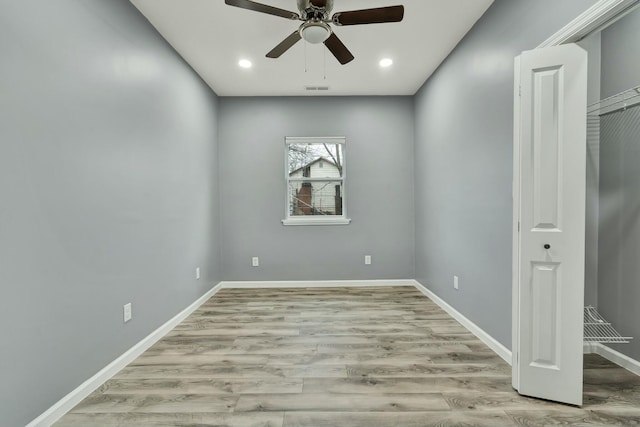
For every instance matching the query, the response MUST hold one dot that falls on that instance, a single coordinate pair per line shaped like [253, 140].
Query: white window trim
[315, 220]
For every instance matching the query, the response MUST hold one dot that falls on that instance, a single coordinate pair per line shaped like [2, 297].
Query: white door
[549, 207]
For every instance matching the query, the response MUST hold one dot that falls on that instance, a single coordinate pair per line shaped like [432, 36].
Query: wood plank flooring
[340, 357]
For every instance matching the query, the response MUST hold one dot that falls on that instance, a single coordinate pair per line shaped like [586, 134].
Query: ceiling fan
[315, 27]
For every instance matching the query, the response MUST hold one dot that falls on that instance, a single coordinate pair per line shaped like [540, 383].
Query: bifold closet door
[549, 189]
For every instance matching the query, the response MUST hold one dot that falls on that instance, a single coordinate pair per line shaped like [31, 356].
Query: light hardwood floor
[341, 357]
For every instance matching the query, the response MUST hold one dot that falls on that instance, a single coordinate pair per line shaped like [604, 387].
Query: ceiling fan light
[315, 32]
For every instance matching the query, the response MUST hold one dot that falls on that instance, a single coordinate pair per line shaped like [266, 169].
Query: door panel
[546, 191]
[551, 142]
[544, 310]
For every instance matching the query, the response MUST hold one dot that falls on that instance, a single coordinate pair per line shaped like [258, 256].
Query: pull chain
[305, 56]
[324, 60]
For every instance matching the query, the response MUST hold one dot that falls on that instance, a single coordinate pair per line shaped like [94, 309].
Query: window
[315, 176]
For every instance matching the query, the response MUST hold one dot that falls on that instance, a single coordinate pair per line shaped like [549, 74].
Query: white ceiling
[212, 37]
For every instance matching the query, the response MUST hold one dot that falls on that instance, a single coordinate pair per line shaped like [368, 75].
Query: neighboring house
[316, 197]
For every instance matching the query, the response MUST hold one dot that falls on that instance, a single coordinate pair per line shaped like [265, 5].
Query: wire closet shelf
[621, 101]
[597, 329]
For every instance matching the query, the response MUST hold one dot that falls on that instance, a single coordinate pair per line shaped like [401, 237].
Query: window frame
[315, 219]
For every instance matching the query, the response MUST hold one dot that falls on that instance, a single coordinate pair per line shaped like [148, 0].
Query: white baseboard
[317, 284]
[64, 405]
[491, 342]
[589, 347]
[616, 357]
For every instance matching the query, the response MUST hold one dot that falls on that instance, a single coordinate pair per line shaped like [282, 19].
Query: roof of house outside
[312, 162]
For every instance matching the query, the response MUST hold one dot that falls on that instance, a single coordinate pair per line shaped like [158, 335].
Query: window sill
[316, 221]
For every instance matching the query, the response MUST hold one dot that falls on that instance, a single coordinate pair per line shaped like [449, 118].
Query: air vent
[315, 88]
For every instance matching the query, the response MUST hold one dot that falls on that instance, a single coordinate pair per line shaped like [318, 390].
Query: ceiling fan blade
[378, 15]
[285, 45]
[338, 49]
[258, 7]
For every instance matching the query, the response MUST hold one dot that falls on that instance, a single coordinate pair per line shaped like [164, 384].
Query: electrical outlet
[198, 273]
[367, 259]
[455, 282]
[255, 261]
[127, 312]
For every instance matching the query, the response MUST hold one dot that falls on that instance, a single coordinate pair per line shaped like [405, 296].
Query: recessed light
[245, 63]
[386, 62]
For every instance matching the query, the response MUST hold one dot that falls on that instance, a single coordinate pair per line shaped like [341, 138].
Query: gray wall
[108, 171]
[619, 269]
[619, 244]
[592, 45]
[463, 172]
[379, 189]
[620, 64]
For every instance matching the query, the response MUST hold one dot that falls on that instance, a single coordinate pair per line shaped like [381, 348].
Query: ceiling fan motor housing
[315, 9]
